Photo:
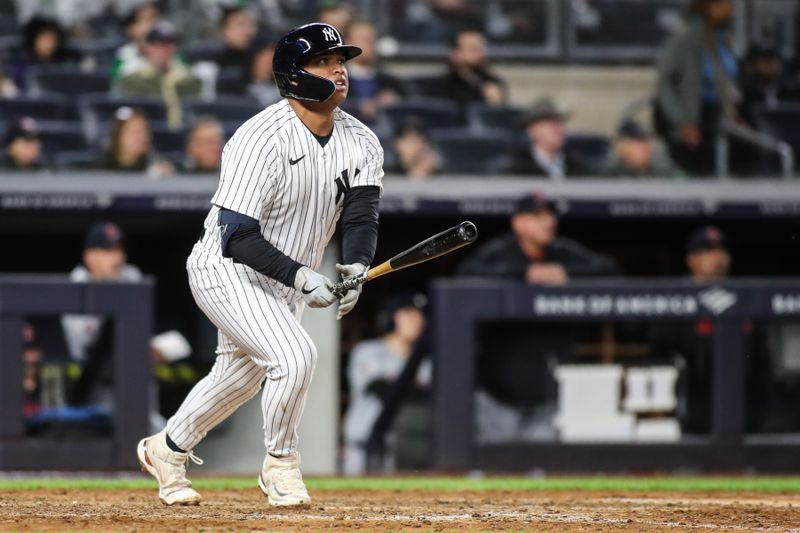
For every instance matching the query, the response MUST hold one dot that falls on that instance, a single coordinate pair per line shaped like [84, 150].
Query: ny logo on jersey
[331, 35]
[343, 183]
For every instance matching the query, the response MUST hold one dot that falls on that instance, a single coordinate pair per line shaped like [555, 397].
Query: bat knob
[468, 231]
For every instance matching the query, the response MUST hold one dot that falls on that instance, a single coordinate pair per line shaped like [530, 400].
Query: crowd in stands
[123, 88]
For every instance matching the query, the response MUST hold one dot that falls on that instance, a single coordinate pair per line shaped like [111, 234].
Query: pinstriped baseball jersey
[275, 171]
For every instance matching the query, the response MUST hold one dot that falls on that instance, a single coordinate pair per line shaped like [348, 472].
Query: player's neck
[317, 116]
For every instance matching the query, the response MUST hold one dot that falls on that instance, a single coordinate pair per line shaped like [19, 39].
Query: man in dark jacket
[533, 252]
[513, 364]
[546, 153]
[469, 79]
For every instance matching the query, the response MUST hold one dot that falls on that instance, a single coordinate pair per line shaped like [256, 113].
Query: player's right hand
[314, 288]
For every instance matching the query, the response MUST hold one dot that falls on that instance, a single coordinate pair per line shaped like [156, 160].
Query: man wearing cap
[511, 400]
[104, 259]
[160, 73]
[533, 253]
[708, 261]
[374, 367]
[636, 154]
[23, 146]
[546, 153]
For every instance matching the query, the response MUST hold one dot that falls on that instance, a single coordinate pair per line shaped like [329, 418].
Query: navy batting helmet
[297, 47]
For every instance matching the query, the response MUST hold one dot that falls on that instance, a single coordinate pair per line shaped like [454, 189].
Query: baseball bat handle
[341, 288]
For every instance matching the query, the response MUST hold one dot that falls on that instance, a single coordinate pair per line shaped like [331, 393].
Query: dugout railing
[460, 305]
[130, 307]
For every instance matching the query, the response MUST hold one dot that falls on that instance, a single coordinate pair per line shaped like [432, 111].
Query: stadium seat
[433, 113]
[486, 116]
[168, 140]
[592, 147]
[782, 122]
[202, 50]
[97, 110]
[68, 80]
[78, 159]
[425, 86]
[225, 109]
[51, 107]
[230, 81]
[58, 136]
[488, 152]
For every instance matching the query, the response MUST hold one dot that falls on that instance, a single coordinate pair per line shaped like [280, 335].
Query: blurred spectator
[8, 89]
[160, 72]
[709, 261]
[137, 23]
[763, 81]
[415, 157]
[104, 259]
[469, 78]
[546, 153]
[43, 43]
[637, 154]
[533, 252]
[32, 356]
[697, 85]
[23, 146]
[707, 255]
[260, 81]
[204, 146]
[130, 145]
[370, 87]
[374, 366]
[89, 338]
[237, 29]
[336, 13]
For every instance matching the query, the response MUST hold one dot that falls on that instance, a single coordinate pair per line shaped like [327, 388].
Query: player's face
[709, 265]
[331, 67]
[635, 153]
[104, 263]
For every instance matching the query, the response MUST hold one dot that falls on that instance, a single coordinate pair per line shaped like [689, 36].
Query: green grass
[604, 483]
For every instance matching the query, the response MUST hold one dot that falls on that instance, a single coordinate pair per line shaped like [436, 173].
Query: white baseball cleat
[282, 481]
[169, 469]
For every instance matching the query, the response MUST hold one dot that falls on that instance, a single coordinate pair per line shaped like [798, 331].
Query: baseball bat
[431, 248]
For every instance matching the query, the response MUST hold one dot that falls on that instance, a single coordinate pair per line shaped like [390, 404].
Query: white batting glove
[348, 301]
[314, 287]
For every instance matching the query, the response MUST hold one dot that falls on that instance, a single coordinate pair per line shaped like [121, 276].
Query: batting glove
[314, 287]
[348, 301]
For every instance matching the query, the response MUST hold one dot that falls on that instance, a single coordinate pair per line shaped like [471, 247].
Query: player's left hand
[348, 301]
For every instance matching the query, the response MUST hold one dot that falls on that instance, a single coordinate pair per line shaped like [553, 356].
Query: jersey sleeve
[372, 172]
[248, 171]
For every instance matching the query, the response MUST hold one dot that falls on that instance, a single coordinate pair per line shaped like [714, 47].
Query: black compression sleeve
[247, 245]
[360, 225]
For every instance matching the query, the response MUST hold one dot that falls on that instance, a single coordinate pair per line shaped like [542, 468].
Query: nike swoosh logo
[295, 161]
[304, 291]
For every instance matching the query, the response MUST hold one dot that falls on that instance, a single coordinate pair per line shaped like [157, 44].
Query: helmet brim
[347, 50]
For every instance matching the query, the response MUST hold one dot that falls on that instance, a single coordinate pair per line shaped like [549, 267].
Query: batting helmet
[300, 45]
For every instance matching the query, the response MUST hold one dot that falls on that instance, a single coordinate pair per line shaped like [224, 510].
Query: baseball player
[288, 174]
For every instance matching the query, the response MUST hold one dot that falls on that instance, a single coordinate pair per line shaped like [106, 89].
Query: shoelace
[177, 477]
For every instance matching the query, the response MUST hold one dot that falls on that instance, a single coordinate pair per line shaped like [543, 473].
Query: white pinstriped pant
[258, 339]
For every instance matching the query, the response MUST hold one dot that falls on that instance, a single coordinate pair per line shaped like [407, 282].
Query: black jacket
[465, 91]
[503, 258]
[523, 164]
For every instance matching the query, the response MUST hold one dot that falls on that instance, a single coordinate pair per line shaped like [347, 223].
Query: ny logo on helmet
[330, 34]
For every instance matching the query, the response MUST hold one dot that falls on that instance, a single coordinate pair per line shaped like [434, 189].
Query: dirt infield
[242, 510]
